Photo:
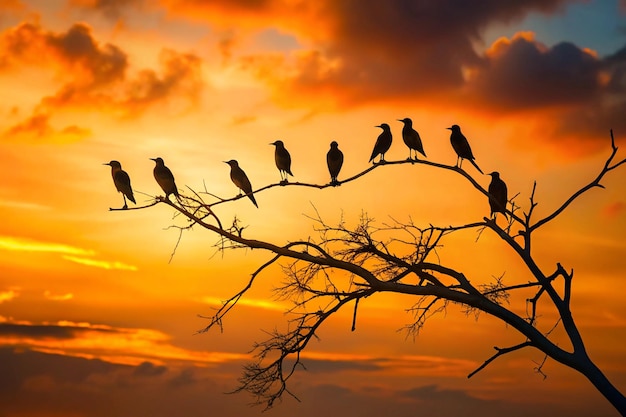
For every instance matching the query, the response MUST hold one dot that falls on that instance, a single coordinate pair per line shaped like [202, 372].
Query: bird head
[278, 143]
[406, 121]
[454, 128]
[333, 144]
[232, 163]
[384, 126]
[494, 174]
[113, 164]
[159, 160]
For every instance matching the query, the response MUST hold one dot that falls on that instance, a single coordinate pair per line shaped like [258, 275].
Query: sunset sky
[99, 308]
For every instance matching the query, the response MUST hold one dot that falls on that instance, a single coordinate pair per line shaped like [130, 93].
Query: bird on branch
[411, 138]
[283, 160]
[164, 178]
[497, 195]
[121, 181]
[334, 160]
[461, 147]
[240, 179]
[383, 143]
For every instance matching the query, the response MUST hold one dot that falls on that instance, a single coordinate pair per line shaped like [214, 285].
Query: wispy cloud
[58, 297]
[68, 252]
[262, 304]
[29, 245]
[97, 263]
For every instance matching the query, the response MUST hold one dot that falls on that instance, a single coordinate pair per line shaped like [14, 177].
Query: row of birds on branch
[334, 159]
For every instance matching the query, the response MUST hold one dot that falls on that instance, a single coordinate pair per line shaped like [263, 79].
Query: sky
[99, 309]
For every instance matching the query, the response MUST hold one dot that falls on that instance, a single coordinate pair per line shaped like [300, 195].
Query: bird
[497, 195]
[334, 160]
[283, 160]
[383, 143]
[164, 177]
[461, 146]
[121, 181]
[240, 179]
[411, 138]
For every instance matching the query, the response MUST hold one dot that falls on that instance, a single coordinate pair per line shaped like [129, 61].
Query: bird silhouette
[283, 160]
[383, 143]
[461, 147]
[121, 181]
[240, 179]
[164, 178]
[334, 160]
[411, 138]
[498, 195]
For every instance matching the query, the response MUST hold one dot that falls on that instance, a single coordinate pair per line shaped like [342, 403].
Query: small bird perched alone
[383, 143]
[121, 181]
[240, 179]
[498, 195]
[334, 160]
[164, 178]
[283, 160]
[461, 146]
[411, 138]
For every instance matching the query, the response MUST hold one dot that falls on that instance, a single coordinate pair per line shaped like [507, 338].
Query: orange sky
[98, 318]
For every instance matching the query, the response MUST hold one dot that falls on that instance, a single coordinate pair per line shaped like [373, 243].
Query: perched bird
[121, 181]
[240, 179]
[334, 160]
[461, 146]
[411, 138]
[283, 160]
[498, 195]
[164, 177]
[383, 143]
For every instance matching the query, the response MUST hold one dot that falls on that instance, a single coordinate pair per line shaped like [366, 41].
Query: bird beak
[400, 120]
[449, 128]
[153, 159]
[107, 163]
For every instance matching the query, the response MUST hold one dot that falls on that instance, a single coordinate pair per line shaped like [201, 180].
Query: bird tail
[131, 197]
[476, 165]
[251, 197]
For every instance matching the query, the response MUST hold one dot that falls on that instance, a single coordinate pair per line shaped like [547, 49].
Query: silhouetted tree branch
[343, 264]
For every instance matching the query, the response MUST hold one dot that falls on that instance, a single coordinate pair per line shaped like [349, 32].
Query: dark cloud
[399, 49]
[33, 383]
[148, 369]
[47, 330]
[20, 366]
[525, 74]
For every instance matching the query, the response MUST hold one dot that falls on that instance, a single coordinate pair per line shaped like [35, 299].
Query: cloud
[8, 295]
[262, 304]
[29, 245]
[96, 263]
[71, 253]
[523, 73]
[37, 128]
[403, 51]
[93, 76]
[112, 344]
[57, 297]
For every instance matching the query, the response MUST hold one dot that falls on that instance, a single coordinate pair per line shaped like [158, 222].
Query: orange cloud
[37, 128]
[93, 77]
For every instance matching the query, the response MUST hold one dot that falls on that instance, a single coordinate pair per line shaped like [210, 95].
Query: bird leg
[125, 203]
